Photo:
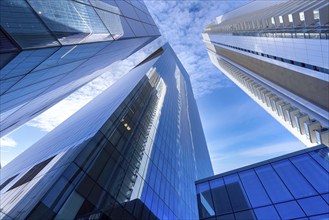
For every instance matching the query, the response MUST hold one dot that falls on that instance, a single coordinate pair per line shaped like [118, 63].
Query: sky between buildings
[238, 131]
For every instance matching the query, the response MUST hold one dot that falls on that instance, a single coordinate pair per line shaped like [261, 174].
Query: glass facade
[289, 187]
[52, 48]
[133, 156]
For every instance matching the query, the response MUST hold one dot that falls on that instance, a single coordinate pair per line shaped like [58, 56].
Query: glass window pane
[226, 217]
[326, 197]
[289, 210]
[112, 22]
[295, 182]
[245, 215]
[239, 199]
[319, 217]
[137, 27]
[273, 185]
[205, 205]
[19, 20]
[220, 197]
[267, 212]
[71, 22]
[6, 44]
[313, 172]
[314, 205]
[254, 189]
[322, 157]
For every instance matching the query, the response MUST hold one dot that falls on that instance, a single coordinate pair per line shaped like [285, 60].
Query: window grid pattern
[169, 192]
[295, 187]
[104, 173]
[58, 44]
[293, 62]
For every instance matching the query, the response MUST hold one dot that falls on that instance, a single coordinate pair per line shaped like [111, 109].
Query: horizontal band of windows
[293, 62]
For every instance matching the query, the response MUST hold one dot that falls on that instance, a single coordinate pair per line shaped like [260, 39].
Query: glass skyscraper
[277, 52]
[50, 48]
[134, 152]
[293, 186]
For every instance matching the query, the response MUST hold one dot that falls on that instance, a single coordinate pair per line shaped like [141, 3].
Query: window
[4, 184]
[239, 199]
[313, 172]
[314, 205]
[302, 16]
[220, 197]
[293, 179]
[254, 189]
[273, 185]
[205, 204]
[267, 212]
[289, 210]
[31, 173]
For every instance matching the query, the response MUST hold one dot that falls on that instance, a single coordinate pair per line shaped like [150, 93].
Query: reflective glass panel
[267, 212]
[20, 21]
[238, 198]
[273, 185]
[313, 172]
[293, 179]
[220, 197]
[254, 188]
[205, 204]
[70, 21]
[289, 210]
[245, 215]
[322, 157]
[314, 205]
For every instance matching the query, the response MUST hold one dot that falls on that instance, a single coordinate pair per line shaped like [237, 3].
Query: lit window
[273, 21]
[316, 14]
[281, 19]
[302, 16]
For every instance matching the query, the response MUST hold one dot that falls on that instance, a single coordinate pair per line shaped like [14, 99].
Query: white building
[278, 53]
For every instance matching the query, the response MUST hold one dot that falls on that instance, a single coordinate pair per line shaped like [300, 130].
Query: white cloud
[181, 23]
[7, 142]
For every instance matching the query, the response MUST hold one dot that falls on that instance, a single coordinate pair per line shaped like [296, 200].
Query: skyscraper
[49, 49]
[134, 151]
[277, 52]
[288, 187]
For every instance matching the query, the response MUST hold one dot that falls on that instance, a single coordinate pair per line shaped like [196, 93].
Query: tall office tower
[50, 48]
[278, 53]
[133, 151]
[293, 186]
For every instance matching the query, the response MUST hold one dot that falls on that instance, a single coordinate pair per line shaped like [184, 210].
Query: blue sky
[238, 131]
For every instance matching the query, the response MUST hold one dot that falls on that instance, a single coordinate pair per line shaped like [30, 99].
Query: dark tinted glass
[220, 197]
[238, 198]
[205, 204]
[245, 215]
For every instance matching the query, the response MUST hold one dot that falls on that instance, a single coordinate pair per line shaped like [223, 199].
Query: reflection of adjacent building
[51, 48]
[134, 150]
[277, 53]
[288, 187]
